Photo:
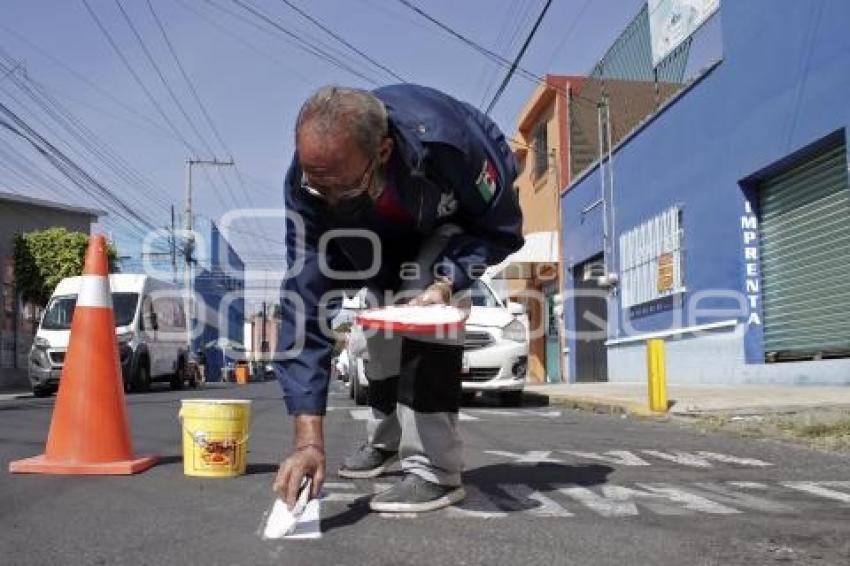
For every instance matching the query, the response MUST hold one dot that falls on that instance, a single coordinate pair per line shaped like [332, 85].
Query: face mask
[353, 210]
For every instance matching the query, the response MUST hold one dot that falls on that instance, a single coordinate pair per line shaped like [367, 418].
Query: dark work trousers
[414, 388]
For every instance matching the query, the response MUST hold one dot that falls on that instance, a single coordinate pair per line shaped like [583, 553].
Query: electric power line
[343, 41]
[518, 58]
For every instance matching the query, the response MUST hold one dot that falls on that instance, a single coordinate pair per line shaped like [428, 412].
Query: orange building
[533, 275]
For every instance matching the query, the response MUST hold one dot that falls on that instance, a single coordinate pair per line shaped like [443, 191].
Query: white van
[150, 325]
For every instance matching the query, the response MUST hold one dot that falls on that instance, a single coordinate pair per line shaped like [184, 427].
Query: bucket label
[215, 452]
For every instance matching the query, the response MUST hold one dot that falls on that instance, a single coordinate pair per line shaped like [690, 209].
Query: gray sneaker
[416, 495]
[367, 462]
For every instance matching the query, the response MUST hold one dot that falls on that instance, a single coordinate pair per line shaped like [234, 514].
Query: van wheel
[42, 391]
[193, 379]
[142, 382]
[177, 379]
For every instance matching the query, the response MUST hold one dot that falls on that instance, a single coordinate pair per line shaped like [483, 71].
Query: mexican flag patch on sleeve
[487, 181]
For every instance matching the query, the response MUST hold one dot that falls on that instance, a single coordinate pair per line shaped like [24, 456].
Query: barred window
[540, 149]
[651, 259]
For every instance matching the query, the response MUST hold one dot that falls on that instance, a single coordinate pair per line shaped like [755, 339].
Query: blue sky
[252, 81]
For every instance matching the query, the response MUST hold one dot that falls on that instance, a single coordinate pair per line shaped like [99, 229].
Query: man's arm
[303, 374]
[307, 459]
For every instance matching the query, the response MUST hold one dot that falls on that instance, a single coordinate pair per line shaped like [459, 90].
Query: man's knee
[429, 381]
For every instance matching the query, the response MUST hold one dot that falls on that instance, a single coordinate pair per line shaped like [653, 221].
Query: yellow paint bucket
[215, 436]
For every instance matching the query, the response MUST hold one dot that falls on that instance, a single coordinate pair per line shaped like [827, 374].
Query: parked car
[150, 326]
[495, 358]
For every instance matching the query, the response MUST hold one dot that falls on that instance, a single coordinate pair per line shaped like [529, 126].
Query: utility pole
[173, 242]
[189, 246]
[264, 345]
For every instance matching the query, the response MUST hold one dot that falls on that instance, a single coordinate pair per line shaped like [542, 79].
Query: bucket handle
[198, 438]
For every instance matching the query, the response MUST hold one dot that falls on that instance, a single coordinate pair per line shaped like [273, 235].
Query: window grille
[651, 259]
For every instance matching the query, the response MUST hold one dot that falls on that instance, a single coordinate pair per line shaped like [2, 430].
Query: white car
[495, 357]
[150, 327]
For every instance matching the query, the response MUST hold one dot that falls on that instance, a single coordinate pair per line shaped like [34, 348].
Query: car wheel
[42, 391]
[510, 398]
[142, 382]
[360, 392]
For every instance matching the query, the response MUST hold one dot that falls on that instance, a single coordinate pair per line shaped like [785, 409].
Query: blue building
[219, 280]
[720, 222]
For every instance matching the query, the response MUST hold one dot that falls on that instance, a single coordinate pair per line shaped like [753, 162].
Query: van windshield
[60, 310]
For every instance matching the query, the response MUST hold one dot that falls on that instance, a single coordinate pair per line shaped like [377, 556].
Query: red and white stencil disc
[432, 319]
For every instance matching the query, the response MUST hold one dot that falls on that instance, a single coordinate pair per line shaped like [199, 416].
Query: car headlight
[515, 331]
[40, 342]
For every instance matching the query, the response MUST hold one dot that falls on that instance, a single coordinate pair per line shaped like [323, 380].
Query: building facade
[19, 321]
[721, 222]
[541, 147]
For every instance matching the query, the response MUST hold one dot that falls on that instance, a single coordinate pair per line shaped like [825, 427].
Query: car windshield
[60, 311]
[482, 296]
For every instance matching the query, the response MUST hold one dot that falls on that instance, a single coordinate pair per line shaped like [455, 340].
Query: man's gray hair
[358, 112]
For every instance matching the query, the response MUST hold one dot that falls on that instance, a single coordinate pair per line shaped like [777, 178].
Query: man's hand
[307, 459]
[437, 293]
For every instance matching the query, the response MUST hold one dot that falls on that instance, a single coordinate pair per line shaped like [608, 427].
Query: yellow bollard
[657, 372]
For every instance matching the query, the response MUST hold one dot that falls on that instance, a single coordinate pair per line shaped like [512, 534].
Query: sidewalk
[14, 381]
[692, 400]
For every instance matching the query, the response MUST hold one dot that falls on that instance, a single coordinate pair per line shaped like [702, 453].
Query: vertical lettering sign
[752, 279]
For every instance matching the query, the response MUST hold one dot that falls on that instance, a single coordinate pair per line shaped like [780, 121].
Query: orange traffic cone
[90, 432]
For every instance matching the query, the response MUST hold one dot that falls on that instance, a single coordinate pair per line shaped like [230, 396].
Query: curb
[597, 405]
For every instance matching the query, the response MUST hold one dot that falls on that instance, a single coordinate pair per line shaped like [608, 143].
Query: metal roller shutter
[805, 259]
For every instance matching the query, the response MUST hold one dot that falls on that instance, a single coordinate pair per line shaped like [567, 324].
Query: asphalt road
[545, 487]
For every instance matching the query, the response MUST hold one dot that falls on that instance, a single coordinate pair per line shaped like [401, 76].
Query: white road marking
[497, 412]
[616, 457]
[663, 499]
[309, 524]
[718, 492]
[547, 508]
[613, 501]
[727, 459]
[339, 485]
[748, 484]
[682, 458]
[531, 457]
[822, 488]
[343, 497]
[688, 500]
[364, 414]
[476, 505]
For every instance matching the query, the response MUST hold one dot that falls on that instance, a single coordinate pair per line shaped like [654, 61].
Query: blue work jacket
[451, 164]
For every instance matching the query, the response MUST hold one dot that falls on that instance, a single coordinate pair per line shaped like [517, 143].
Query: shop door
[591, 322]
[552, 345]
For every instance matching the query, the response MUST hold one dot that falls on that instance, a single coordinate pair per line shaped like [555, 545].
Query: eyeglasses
[334, 195]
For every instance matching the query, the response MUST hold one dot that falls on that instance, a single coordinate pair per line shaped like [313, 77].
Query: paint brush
[282, 521]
